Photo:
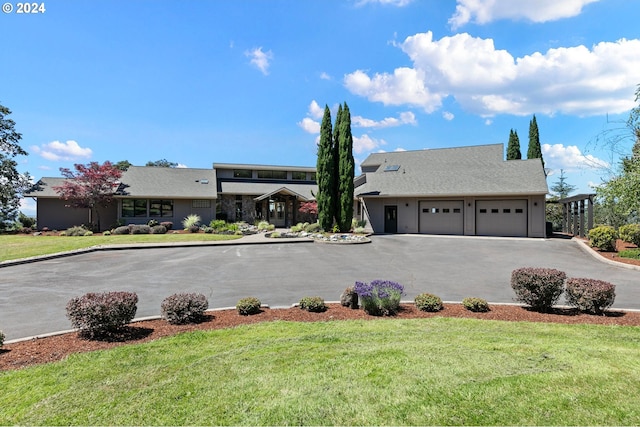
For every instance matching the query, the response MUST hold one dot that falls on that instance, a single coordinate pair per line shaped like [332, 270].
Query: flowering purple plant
[380, 297]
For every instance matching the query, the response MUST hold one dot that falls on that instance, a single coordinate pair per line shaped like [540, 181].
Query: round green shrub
[123, 229]
[477, 305]
[428, 302]
[249, 305]
[603, 237]
[75, 231]
[106, 233]
[184, 308]
[630, 233]
[539, 288]
[590, 295]
[313, 304]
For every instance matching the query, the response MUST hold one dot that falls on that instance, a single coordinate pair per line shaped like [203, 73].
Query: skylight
[391, 168]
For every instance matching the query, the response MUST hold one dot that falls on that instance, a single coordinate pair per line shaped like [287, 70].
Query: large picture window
[271, 174]
[161, 208]
[134, 208]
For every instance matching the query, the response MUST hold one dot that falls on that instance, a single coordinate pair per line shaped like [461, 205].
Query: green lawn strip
[379, 372]
[20, 246]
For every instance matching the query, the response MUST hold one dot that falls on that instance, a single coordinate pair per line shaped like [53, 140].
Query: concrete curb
[583, 245]
[294, 305]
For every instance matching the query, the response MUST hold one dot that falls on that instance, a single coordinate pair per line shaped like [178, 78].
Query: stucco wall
[55, 214]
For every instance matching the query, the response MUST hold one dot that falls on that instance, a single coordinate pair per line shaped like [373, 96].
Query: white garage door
[442, 217]
[501, 218]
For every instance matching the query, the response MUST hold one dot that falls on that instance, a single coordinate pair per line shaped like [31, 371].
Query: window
[495, 210]
[483, 211]
[242, 173]
[506, 210]
[435, 210]
[161, 208]
[271, 174]
[456, 210]
[425, 210]
[519, 211]
[391, 168]
[299, 175]
[134, 208]
[445, 210]
[313, 176]
[201, 203]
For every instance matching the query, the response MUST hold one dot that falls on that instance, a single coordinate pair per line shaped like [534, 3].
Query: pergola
[573, 214]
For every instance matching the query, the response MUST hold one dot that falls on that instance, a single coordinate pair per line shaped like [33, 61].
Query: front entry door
[276, 213]
[390, 219]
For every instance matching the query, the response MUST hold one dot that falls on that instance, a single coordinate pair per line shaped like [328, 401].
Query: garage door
[501, 218]
[442, 217]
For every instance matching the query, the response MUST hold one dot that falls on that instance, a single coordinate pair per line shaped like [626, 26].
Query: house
[236, 192]
[460, 191]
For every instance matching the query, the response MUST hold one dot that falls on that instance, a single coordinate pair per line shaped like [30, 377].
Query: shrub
[603, 237]
[191, 220]
[276, 235]
[167, 224]
[630, 253]
[359, 230]
[1, 338]
[477, 305]
[208, 230]
[184, 308]
[106, 233]
[100, 314]
[139, 229]
[312, 228]
[153, 223]
[263, 226]
[380, 297]
[313, 304]
[539, 288]
[88, 233]
[123, 229]
[218, 224]
[158, 229]
[590, 295]
[428, 302]
[75, 231]
[349, 298]
[249, 305]
[297, 228]
[630, 233]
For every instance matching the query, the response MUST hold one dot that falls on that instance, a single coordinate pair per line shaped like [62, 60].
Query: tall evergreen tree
[337, 128]
[534, 151]
[561, 188]
[513, 148]
[346, 170]
[325, 172]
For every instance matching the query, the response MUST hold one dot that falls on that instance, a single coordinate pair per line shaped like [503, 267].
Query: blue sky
[239, 81]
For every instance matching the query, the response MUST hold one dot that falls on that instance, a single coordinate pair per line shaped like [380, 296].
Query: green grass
[24, 246]
[630, 253]
[437, 371]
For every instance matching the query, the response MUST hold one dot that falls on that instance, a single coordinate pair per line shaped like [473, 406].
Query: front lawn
[23, 246]
[438, 371]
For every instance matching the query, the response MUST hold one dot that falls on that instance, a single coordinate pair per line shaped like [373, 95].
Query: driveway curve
[33, 296]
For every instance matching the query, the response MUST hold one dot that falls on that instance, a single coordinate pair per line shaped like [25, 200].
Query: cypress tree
[325, 172]
[337, 128]
[535, 150]
[346, 170]
[513, 148]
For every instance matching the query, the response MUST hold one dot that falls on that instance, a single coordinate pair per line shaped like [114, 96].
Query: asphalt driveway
[33, 296]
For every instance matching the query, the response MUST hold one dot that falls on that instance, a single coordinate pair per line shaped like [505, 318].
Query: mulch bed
[44, 350]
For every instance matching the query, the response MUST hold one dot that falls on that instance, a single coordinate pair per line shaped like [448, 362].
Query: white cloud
[485, 11]
[181, 166]
[259, 59]
[28, 206]
[406, 118]
[62, 151]
[447, 115]
[315, 110]
[488, 81]
[309, 125]
[366, 144]
[325, 76]
[569, 158]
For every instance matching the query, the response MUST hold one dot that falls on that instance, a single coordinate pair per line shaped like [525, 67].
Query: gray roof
[175, 183]
[462, 171]
[143, 182]
[266, 188]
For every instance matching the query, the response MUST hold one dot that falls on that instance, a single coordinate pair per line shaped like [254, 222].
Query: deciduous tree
[90, 186]
[162, 163]
[12, 183]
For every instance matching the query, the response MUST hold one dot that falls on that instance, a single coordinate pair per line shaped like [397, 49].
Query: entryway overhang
[282, 190]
